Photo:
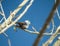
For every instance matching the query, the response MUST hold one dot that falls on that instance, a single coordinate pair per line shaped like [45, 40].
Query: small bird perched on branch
[22, 25]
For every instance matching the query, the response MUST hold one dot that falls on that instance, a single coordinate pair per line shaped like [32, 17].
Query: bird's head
[27, 22]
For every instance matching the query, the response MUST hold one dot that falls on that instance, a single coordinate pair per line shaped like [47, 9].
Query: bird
[23, 25]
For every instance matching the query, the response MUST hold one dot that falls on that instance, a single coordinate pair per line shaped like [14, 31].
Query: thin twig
[57, 11]
[1, 20]
[9, 42]
[3, 14]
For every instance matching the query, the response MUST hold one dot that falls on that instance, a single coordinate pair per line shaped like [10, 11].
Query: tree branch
[50, 40]
[19, 17]
[46, 23]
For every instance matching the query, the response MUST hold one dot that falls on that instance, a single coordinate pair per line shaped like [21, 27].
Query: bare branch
[1, 20]
[3, 14]
[57, 12]
[36, 32]
[9, 42]
[49, 41]
[8, 21]
[32, 32]
[19, 17]
[46, 23]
